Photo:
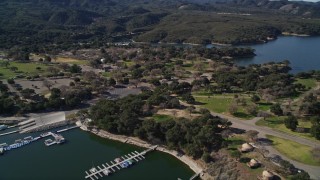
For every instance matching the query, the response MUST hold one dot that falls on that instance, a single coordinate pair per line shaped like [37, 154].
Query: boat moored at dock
[119, 163]
[3, 127]
[3, 145]
[18, 143]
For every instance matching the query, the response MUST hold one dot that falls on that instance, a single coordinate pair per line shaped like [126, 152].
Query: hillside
[37, 25]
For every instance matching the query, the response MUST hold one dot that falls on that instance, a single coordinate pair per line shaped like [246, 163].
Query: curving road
[314, 171]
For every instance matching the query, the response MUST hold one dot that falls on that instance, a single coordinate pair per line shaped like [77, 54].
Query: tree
[188, 98]
[48, 84]
[6, 105]
[53, 70]
[72, 84]
[206, 157]
[3, 87]
[5, 63]
[236, 154]
[13, 68]
[75, 69]
[226, 133]
[10, 81]
[255, 98]
[64, 66]
[27, 93]
[47, 59]
[315, 130]
[112, 82]
[291, 122]
[173, 103]
[190, 109]
[55, 100]
[252, 109]
[276, 109]
[233, 108]
[264, 114]
[300, 176]
[252, 135]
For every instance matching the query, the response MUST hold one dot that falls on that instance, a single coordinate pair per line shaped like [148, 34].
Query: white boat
[58, 138]
[45, 134]
[18, 141]
[3, 127]
[3, 145]
[106, 172]
[1, 151]
[36, 138]
[93, 170]
[29, 138]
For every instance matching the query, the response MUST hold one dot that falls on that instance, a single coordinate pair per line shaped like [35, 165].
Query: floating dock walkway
[12, 132]
[106, 169]
[195, 176]
[67, 129]
[58, 140]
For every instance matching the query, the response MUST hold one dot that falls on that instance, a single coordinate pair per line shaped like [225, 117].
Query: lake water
[302, 52]
[83, 150]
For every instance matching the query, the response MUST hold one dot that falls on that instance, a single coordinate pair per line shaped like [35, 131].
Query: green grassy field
[264, 106]
[217, 104]
[309, 83]
[278, 124]
[293, 150]
[221, 104]
[26, 69]
[161, 117]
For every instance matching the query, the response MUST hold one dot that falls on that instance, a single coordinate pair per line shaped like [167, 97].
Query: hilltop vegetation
[44, 26]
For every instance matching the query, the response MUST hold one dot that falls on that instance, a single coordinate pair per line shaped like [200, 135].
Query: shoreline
[192, 164]
[295, 34]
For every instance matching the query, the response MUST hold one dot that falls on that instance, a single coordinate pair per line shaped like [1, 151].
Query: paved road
[314, 171]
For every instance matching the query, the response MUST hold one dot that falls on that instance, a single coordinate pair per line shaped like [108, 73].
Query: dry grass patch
[177, 113]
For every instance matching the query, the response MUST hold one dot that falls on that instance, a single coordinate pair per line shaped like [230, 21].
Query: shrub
[10, 81]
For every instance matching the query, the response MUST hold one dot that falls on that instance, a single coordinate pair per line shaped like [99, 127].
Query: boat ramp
[118, 164]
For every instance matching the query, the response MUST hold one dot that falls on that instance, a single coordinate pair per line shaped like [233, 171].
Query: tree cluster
[126, 116]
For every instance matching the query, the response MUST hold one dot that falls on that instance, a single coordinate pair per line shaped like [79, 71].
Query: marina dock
[67, 129]
[119, 163]
[12, 132]
[19, 143]
[58, 139]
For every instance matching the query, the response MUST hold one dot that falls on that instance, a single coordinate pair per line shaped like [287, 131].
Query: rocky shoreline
[195, 166]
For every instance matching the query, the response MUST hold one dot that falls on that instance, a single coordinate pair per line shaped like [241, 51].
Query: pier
[106, 169]
[58, 139]
[195, 176]
[12, 132]
[19, 143]
[67, 129]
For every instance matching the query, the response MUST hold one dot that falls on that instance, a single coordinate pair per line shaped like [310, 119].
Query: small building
[246, 147]
[267, 175]
[253, 163]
